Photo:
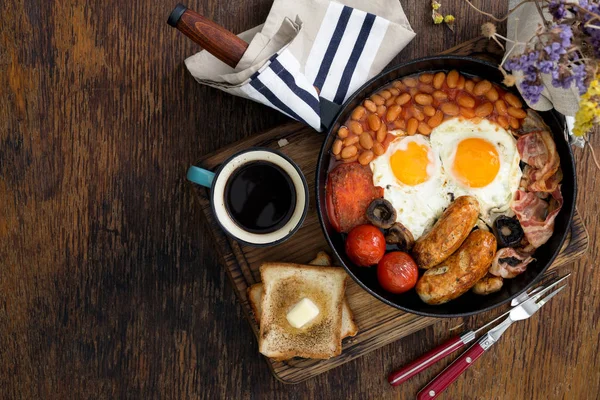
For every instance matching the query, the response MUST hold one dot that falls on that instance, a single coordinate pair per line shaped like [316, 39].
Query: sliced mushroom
[488, 284]
[381, 213]
[400, 236]
[508, 231]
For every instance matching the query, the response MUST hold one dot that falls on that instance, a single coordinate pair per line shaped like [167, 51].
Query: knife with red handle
[429, 358]
[458, 366]
[450, 374]
[435, 355]
[450, 346]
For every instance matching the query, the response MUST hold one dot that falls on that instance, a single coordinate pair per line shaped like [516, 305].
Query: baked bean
[390, 101]
[349, 151]
[461, 83]
[492, 94]
[350, 140]
[399, 85]
[411, 126]
[514, 123]
[358, 113]
[418, 114]
[513, 100]
[450, 109]
[411, 82]
[365, 157]
[438, 80]
[426, 78]
[337, 146]
[500, 106]
[423, 128]
[403, 99]
[452, 79]
[351, 159]
[400, 124]
[517, 112]
[425, 88]
[413, 91]
[423, 99]
[394, 91]
[355, 127]
[440, 95]
[381, 132]
[388, 140]
[429, 111]
[503, 121]
[374, 122]
[337, 157]
[393, 112]
[386, 94]
[465, 100]
[485, 109]
[369, 105]
[381, 110]
[378, 149]
[377, 99]
[476, 79]
[436, 119]
[366, 141]
[343, 132]
[469, 85]
[467, 112]
[482, 87]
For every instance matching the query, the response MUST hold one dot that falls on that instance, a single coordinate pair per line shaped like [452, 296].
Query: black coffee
[260, 197]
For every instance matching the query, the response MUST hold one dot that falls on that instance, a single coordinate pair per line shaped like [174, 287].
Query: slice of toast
[349, 327]
[255, 291]
[284, 285]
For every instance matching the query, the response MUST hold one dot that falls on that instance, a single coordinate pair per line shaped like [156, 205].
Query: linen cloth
[307, 50]
[524, 21]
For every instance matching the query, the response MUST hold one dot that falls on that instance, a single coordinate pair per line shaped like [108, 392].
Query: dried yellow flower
[449, 19]
[588, 114]
[435, 5]
[437, 18]
[509, 80]
[488, 30]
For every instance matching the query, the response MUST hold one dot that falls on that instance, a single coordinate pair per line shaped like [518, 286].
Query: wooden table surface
[109, 284]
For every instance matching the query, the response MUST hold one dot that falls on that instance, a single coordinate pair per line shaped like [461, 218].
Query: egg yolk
[410, 165]
[476, 162]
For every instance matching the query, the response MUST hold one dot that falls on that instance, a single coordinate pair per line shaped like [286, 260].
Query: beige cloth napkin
[307, 50]
[526, 20]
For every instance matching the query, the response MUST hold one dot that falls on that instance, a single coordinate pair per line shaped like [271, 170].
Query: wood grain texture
[378, 323]
[110, 284]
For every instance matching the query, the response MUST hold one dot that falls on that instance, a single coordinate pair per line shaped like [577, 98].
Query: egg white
[418, 206]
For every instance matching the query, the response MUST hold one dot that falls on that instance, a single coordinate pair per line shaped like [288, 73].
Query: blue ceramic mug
[253, 186]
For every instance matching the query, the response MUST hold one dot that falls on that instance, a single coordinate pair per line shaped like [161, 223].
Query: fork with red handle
[457, 342]
[458, 366]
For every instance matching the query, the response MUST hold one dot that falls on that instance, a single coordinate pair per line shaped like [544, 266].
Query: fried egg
[479, 159]
[422, 175]
[411, 174]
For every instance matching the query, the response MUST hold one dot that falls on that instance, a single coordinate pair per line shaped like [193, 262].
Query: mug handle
[200, 176]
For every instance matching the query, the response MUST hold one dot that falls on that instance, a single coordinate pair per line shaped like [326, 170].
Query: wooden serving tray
[378, 324]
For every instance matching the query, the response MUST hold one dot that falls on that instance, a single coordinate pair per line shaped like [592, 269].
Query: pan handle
[214, 38]
[329, 112]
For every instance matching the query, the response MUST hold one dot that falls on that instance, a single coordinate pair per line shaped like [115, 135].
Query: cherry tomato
[365, 245]
[397, 272]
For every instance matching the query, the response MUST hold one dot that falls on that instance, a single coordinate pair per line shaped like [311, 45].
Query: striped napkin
[309, 50]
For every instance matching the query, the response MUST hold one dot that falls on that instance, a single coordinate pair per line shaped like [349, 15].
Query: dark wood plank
[110, 284]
